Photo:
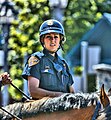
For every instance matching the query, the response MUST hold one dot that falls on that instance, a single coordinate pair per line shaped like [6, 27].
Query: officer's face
[52, 42]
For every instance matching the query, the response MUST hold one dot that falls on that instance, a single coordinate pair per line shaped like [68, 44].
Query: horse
[66, 107]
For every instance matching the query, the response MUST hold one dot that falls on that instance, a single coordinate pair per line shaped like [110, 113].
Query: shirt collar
[56, 58]
[46, 52]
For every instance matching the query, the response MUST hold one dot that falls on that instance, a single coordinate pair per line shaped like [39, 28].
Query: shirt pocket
[47, 78]
[66, 78]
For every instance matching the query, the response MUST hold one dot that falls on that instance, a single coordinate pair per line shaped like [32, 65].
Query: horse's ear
[103, 97]
[109, 92]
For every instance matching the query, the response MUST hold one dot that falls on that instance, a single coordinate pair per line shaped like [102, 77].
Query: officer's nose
[52, 39]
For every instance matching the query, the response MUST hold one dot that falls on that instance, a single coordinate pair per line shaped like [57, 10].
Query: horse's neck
[65, 102]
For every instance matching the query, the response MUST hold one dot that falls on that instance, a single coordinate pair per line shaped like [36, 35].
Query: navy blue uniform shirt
[52, 72]
[0, 85]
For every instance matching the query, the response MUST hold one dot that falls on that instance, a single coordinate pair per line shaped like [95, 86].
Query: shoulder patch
[33, 61]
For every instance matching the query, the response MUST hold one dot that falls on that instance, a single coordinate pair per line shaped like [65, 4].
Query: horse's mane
[64, 102]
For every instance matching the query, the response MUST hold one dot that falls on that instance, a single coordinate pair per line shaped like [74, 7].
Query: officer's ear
[61, 37]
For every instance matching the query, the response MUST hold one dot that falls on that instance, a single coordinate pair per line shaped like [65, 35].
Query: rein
[14, 116]
[23, 94]
[21, 91]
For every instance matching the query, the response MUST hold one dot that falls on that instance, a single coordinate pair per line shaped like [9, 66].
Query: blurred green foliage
[78, 70]
[79, 17]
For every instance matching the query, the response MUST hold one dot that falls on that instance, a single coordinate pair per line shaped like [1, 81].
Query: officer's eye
[48, 37]
[56, 37]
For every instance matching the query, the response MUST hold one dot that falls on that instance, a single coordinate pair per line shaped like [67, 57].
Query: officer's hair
[41, 39]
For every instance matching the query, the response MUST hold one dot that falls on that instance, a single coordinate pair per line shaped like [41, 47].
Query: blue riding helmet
[52, 25]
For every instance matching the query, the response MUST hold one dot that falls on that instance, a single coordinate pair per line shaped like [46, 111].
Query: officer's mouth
[52, 45]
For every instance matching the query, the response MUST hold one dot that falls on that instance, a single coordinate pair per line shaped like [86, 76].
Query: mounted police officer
[47, 73]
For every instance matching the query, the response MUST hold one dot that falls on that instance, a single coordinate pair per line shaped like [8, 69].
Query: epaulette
[38, 54]
[35, 58]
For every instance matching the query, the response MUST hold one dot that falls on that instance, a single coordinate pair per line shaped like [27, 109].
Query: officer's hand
[5, 78]
[57, 94]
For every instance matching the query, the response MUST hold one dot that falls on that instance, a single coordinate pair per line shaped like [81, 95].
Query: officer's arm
[71, 89]
[38, 93]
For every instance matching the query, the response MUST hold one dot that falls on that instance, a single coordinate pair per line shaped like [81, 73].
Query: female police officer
[46, 72]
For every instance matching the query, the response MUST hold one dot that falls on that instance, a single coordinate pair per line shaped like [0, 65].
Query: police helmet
[52, 25]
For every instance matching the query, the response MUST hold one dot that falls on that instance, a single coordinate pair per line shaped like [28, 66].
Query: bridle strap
[96, 112]
[14, 116]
